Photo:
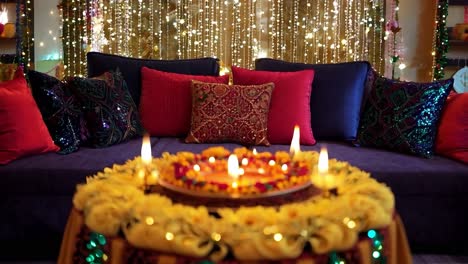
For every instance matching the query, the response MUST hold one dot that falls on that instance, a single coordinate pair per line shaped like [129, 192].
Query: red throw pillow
[290, 103]
[166, 101]
[22, 130]
[452, 136]
[230, 113]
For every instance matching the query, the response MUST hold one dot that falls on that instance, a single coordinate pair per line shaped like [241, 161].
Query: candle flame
[224, 70]
[233, 166]
[234, 185]
[254, 152]
[146, 156]
[295, 142]
[323, 161]
[245, 161]
[4, 16]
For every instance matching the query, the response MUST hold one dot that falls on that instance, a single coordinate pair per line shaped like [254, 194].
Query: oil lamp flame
[4, 15]
[323, 161]
[146, 156]
[295, 142]
[233, 166]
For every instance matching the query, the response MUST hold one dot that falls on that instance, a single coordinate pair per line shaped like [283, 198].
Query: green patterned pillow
[403, 116]
[110, 113]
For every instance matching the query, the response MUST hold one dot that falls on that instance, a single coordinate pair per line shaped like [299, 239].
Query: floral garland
[114, 201]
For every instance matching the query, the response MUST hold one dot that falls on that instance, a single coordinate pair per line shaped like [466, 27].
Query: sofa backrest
[337, 95]
[98, 63]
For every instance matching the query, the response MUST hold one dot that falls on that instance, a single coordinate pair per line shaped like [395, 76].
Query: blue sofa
[37, 190]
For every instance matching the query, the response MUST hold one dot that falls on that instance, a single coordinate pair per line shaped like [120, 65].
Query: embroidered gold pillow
[230, 113]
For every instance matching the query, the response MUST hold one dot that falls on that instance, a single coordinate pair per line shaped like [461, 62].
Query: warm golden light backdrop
[235, 31]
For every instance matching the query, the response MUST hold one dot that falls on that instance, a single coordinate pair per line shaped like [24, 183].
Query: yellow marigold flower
[105, 218]
[241, 152]
[264, 155]
[282, 157]
[217, 152]
[185, 156]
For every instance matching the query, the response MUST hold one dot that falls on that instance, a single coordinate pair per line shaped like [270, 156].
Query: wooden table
[116, 250]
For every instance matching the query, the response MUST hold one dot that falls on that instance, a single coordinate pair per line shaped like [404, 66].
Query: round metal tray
[236, 196]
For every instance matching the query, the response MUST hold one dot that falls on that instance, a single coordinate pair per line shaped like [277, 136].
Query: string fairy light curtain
[24, 26]
[235, 31]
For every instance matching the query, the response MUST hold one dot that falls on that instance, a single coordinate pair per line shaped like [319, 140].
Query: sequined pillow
[230, 113]
[403, 116]
[110, 113]
[59, 108]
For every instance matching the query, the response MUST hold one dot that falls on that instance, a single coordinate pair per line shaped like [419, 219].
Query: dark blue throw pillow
[99, 63]
[59, 108]
[110, 113]
[403, 116]
[336, 98]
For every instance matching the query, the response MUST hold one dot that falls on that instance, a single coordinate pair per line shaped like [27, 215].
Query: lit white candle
[146, 159]
[324, 177]
[146, 156]
[296, 141]
[323, 161]
[4, 15]
[233, 166]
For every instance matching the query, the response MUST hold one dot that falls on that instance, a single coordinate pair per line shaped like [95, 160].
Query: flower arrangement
[113, 201]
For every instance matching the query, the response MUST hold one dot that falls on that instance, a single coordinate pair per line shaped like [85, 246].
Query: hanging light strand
[237, 32]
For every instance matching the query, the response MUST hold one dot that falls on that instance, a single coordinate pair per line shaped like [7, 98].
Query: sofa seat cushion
[54, 174]
[407, 175]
